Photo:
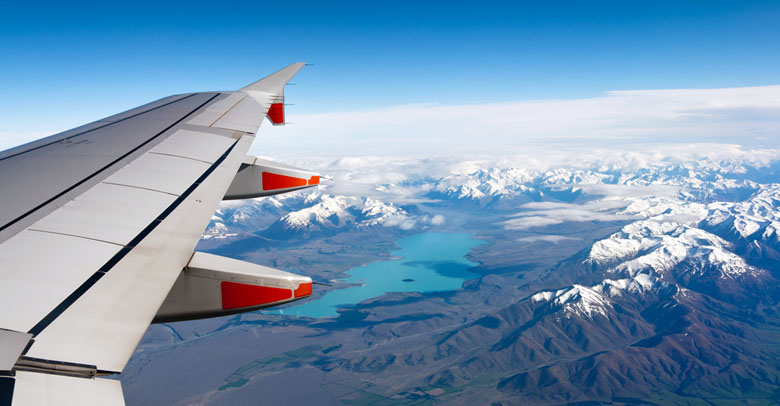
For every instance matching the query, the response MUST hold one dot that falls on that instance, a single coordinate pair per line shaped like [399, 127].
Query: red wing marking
[314, 180]
[304, 289]
[272, 181]
[235, 295]
[276, 113]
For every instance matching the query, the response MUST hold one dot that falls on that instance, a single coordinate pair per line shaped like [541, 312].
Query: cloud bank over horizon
[629, 120]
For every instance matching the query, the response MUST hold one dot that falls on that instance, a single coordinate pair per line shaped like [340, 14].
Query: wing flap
[197, 145]
[41, 269]
[107, 212]
[164, 173]
[12, 344]
[34, 389]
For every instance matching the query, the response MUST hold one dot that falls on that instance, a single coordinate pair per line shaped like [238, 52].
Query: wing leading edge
[100, 223]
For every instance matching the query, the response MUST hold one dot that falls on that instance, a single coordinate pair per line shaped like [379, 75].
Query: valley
[620, 286]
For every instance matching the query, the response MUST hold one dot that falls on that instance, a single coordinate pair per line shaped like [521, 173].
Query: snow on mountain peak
[217, 231]
[640, 283]
[327, 211]
[487, 183]
[577, 299]
[597, 299]
[659, 247]
[747, 217]
[330, 211]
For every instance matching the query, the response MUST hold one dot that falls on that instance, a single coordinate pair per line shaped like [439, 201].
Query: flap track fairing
[212, 286]
[259, 177]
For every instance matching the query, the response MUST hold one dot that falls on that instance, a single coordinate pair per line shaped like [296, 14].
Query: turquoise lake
[428, 262]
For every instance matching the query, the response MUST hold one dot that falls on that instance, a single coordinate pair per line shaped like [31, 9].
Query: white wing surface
[98, 223]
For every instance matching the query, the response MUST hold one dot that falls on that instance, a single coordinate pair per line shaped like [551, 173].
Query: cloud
[401, 221]
[407, 222]
[437, 220]
[524, 223]
[628, 191]
[740, 116]
[550, 213]
[547, 238]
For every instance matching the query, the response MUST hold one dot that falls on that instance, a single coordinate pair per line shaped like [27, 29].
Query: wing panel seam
[180, 156]
[74, 236]
[227, 111]
[140, 187]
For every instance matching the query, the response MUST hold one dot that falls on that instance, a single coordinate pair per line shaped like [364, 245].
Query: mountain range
[605, 285]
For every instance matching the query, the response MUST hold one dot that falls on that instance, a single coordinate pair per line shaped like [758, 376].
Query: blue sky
[67, 63]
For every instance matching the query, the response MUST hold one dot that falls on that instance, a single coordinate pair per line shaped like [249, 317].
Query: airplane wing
[98, 228]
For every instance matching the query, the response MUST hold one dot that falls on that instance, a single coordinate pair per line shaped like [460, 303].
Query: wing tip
[275, 82]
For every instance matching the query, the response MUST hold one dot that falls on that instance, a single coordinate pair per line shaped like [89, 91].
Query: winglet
[270, 91]
[275, 82]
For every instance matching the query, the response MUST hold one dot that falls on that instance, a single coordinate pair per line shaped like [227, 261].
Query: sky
[400, 63]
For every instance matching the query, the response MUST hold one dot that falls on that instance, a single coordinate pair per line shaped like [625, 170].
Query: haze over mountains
[638, 279]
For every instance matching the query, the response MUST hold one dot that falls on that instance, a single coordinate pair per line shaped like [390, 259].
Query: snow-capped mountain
[659, 247]
[304, 214]
[327, 212]
[590, 301]
[724, 250]
[674, 296]
[755, 218]
[235, 219]
[489, 183]
[700, 180]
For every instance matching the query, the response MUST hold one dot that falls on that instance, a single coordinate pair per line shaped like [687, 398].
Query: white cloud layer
[741, 116]
[406, 222]
[546, 238]
[549, 213]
